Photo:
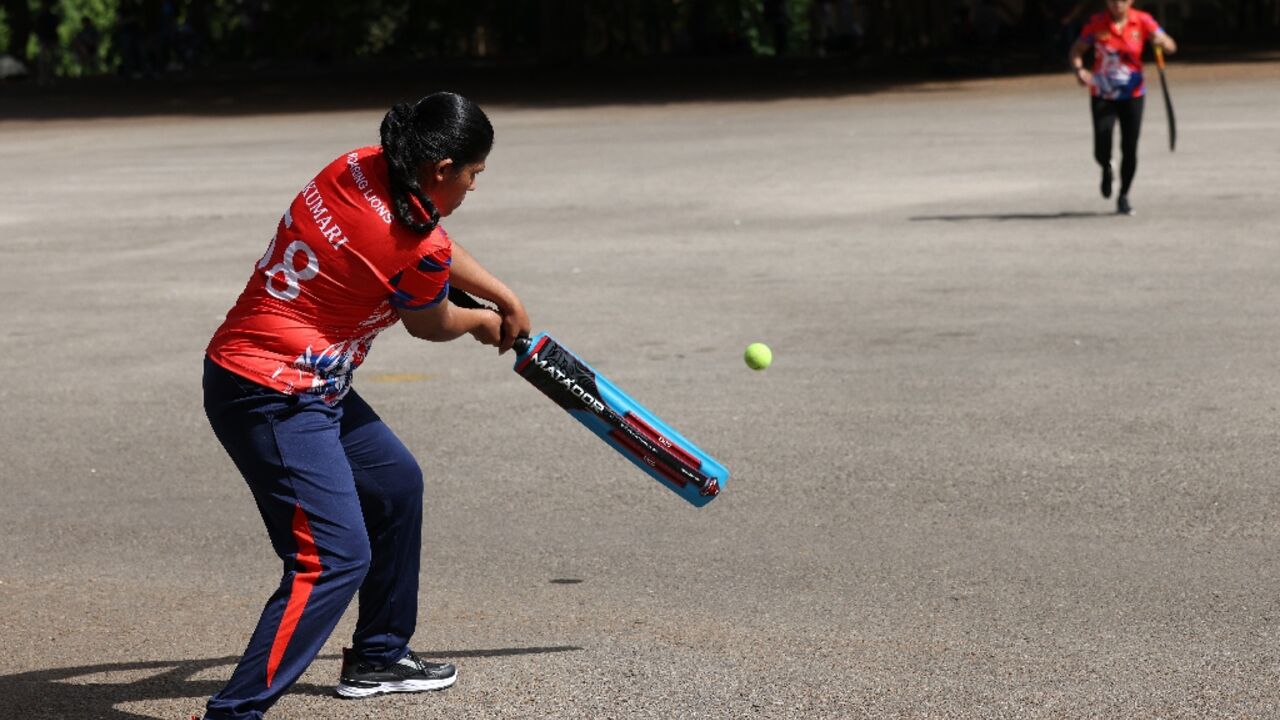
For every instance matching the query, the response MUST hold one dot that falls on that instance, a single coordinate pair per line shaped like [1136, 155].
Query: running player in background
[359, 249]
[1117, 37]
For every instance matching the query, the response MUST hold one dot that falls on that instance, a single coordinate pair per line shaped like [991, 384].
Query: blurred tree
[83, 31]
[18, 21]
[147, 37]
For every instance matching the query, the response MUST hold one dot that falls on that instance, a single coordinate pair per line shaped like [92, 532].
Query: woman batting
[359, 249]
[1117, 37]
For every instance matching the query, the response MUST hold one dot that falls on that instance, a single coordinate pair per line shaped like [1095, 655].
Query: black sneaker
[1123, 207]
[410, 674]
[1106, 180]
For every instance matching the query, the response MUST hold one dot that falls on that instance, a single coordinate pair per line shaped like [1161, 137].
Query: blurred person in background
[1117, 89]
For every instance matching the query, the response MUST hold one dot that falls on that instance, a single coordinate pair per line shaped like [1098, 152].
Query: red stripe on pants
[304, 579]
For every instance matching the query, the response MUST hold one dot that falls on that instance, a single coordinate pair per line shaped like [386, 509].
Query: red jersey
[329, 282]
[1117, 53]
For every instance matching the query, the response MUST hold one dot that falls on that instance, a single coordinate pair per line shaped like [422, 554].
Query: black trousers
[1105, 115]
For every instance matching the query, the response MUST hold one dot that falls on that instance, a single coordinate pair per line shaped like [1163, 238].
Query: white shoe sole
[352, 691]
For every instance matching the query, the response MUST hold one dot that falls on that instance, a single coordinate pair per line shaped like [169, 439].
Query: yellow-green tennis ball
[758, 356]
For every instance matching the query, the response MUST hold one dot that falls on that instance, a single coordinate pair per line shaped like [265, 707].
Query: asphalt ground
[1015, 457]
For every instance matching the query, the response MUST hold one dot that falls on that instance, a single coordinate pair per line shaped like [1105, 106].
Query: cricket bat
[1168, 102]
[624, 424]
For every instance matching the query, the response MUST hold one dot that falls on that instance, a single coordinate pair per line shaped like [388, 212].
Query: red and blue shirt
[1117, 53]
[339, 266]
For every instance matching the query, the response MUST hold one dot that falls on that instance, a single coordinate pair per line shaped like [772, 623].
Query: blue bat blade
[637, 434]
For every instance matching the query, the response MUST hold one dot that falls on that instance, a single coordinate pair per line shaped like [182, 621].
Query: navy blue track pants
[341, 497]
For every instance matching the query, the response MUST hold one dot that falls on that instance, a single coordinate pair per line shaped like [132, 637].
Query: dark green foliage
[141, 37]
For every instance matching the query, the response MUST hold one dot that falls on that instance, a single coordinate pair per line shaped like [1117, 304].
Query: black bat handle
[521, 345]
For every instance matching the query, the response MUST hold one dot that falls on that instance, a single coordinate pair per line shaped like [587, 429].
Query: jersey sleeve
[424, 283]
[1150, 26]
[1090, 29]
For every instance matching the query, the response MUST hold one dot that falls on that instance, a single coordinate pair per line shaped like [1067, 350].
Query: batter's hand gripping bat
[623, 423]
[1168, 102]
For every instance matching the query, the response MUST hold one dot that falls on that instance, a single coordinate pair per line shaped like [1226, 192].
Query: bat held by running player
[1168, 100]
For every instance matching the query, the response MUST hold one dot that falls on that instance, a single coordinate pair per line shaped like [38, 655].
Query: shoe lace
[418, 662]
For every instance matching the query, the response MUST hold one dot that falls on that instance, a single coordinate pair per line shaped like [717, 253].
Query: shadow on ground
[284, 88]
[95, 691]
[999, 217]
[232, 91]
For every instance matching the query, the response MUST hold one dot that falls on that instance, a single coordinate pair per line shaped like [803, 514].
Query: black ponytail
[439, 126]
